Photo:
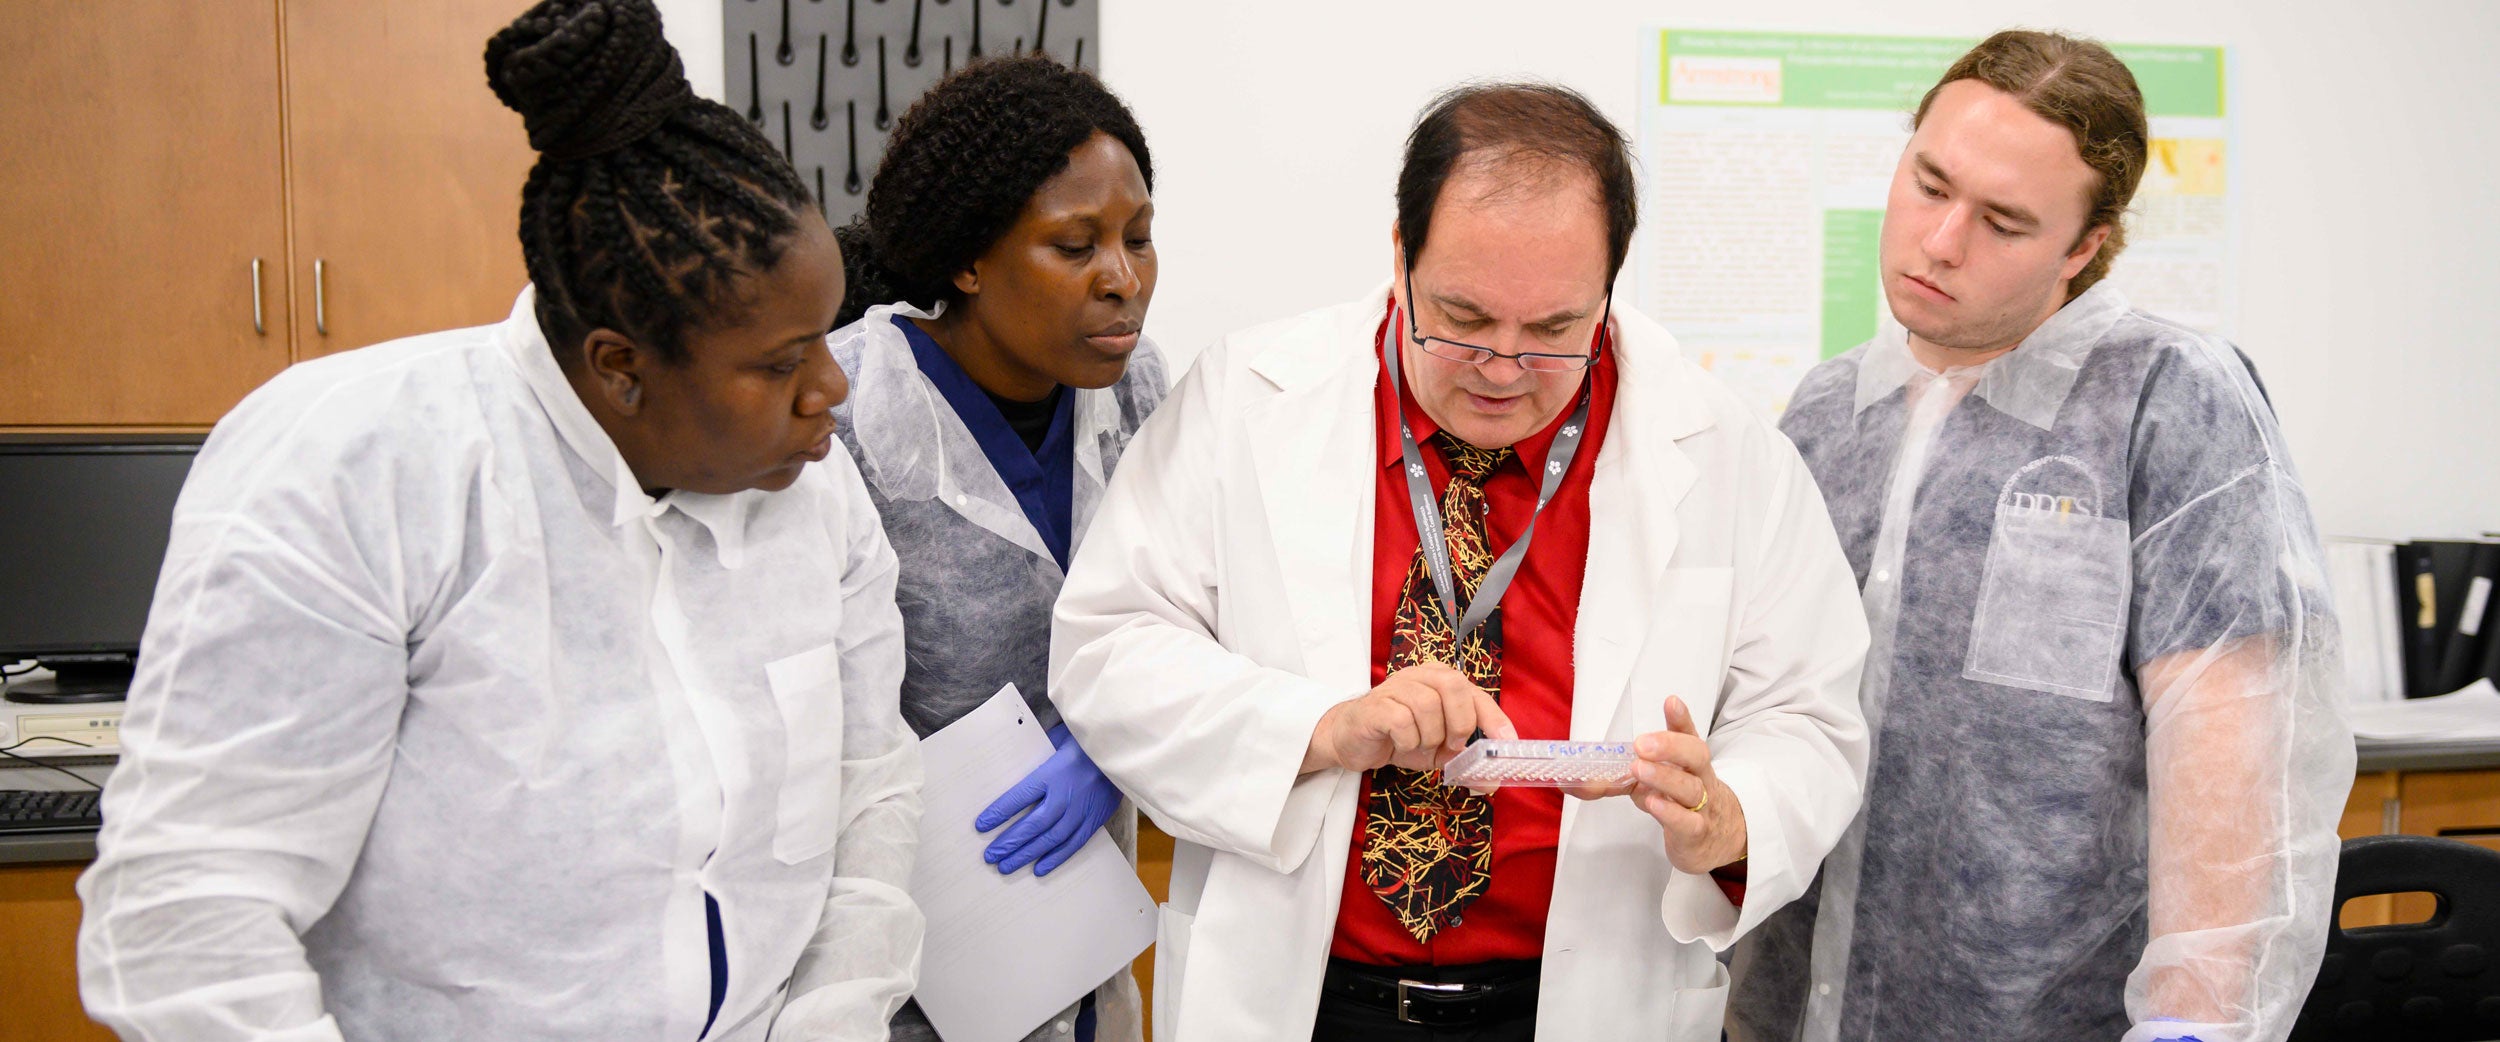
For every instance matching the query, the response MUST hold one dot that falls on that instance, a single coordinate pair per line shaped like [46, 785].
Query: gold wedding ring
[1705, 800]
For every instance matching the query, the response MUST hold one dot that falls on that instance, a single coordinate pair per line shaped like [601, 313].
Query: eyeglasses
[1532, 361]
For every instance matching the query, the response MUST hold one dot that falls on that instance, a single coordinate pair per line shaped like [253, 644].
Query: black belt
[1494, 993]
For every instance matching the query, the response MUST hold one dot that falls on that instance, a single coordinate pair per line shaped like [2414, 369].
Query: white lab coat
[444, 728]
[1222, 602]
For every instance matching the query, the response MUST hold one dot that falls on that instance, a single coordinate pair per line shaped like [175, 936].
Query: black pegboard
[825, 79]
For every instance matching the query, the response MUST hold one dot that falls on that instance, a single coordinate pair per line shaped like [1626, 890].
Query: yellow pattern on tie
[1427, 848]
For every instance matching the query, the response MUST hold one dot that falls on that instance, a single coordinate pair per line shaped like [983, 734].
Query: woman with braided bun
[538, 680]
[999, 279]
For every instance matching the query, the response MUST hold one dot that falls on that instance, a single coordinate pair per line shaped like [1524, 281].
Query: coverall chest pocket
[2052, 613]
[807, 688]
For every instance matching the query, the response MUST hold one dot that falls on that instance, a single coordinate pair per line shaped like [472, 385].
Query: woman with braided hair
[999, 279]
[538, 680]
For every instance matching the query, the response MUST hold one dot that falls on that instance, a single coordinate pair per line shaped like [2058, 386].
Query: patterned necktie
[1427, 848]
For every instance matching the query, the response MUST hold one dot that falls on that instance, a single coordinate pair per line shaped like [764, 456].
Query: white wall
[2370, 282]
[695, 27]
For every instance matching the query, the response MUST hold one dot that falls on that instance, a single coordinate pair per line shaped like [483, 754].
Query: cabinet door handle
[260, 325]
[321, 302]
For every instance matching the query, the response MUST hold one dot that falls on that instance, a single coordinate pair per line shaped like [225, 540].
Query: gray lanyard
[1428, 528]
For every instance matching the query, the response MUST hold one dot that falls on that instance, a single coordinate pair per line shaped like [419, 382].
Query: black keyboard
[23, 810]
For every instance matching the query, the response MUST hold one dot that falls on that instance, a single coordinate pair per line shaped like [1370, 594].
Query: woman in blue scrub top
[1001, 274]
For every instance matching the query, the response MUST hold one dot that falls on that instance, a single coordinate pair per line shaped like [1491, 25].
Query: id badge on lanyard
[1428, 524]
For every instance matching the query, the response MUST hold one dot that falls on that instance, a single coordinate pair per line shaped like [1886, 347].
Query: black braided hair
[647, 202]
[960, 167]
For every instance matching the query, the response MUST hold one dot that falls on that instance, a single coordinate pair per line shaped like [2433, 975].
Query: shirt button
[1822, 989]
[1063, 1027]
[1883, 576]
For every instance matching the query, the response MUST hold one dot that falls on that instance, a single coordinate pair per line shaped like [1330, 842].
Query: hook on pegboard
[793, 102]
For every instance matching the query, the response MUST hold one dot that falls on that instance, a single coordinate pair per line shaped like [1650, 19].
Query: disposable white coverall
[2110, 753]
[444, 729]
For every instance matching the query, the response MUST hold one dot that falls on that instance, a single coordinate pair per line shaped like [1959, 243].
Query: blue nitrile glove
[1070, 799]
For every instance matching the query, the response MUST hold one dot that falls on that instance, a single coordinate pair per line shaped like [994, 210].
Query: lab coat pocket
[1171, 960]
[807, 687]
[2052, 613]
[1701, 1012]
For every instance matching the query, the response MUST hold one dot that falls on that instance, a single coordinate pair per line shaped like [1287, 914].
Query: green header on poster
[1817, 71]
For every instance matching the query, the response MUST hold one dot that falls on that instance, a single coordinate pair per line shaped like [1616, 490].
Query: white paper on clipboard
[1005, 953]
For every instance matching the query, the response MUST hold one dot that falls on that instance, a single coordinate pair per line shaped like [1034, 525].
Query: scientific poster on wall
[1768, 156]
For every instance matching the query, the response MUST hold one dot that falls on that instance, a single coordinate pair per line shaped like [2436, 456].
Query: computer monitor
[83, 527]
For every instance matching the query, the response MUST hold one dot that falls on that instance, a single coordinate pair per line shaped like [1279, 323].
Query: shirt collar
[2029, 383]
[972, 404]
[1034, 475]
[725, 516]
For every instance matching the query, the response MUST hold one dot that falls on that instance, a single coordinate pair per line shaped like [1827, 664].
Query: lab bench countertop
[2428, 756]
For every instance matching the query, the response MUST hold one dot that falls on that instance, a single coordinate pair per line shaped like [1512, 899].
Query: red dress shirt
[1539, 615]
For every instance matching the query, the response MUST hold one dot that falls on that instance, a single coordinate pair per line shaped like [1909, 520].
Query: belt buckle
[1404, 1017]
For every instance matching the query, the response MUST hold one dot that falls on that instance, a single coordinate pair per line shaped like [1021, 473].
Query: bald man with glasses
[1479, 499]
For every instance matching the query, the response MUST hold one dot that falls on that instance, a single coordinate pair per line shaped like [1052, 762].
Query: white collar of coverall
[2028, 383]
[892, 447]
[725, 516]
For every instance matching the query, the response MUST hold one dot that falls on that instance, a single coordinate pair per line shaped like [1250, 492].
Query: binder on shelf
[2417, 609]
[2388, 620]
[2469, 634]
[2491, 644]
[2362, 575]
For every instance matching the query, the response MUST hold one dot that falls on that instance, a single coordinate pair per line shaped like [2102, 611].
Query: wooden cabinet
[2462, 805]
[406, 172]
[141, 188]
[38, 969]
[2458, 805]
[176, 170]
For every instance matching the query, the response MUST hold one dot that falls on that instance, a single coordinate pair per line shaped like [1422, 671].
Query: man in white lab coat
[1254, 647]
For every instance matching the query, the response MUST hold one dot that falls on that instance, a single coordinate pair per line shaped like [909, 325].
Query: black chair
[2432, 981]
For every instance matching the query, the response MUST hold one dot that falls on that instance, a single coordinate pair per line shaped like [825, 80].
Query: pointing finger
[1492, 720]
[1430, 720]
[1459, 709]
[1400, 726]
